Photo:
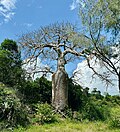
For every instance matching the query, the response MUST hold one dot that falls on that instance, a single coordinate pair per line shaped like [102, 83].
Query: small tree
[10, 63]
[57, 42]
[101, 20]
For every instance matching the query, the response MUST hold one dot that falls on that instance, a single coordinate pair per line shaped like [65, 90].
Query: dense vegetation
[33, 107]
[25, 102]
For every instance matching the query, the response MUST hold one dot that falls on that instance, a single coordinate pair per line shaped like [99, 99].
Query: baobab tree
[60, 43]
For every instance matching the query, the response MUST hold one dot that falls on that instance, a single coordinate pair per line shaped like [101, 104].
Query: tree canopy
[101, 20]
[58, 42]
[10, 63]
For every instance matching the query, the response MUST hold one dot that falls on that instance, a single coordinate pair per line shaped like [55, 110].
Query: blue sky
[20, 16]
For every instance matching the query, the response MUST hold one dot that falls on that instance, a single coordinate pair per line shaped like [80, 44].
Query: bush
[93, 111]
[44, 114]
[11, 108]
[114, 121]
[112, 100]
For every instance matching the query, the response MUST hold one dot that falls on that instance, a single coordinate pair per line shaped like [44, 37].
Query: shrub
[114, 121]
[44, 114]
[95, 112]
[112, 100]
[12, 111]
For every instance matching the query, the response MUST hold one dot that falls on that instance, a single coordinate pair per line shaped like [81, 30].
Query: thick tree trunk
[60, 88]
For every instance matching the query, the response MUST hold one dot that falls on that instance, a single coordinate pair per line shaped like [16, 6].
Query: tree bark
[60, 87]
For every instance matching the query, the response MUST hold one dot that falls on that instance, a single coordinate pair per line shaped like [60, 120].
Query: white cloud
[84, 77]
[75, 4]
[9, 16]
[6, 9]
[36, 69]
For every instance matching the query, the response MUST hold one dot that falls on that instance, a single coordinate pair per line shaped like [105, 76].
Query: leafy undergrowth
[114, 121]
[96, 114]
[112, 124]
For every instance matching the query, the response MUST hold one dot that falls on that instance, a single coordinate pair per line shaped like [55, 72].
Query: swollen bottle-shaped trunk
[60, 86]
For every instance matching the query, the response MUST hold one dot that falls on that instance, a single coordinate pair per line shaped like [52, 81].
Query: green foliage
[12, 111]
[101, 19]
[101, 13]
[37, 91]
[45, 89]
[9, 45]
[5, 66]
[113, 16]
[93, 111]
[70, 126]
[111, 101]
[44, 114]
[114, 121]
[10, 63]
[75, 96]
[86, 105]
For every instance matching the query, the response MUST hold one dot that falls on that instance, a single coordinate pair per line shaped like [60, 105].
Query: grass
[69, 126]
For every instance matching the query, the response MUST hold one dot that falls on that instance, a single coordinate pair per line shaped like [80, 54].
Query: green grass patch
[66, 125]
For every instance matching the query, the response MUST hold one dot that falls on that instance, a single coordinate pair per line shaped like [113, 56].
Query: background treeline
[24, 101]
